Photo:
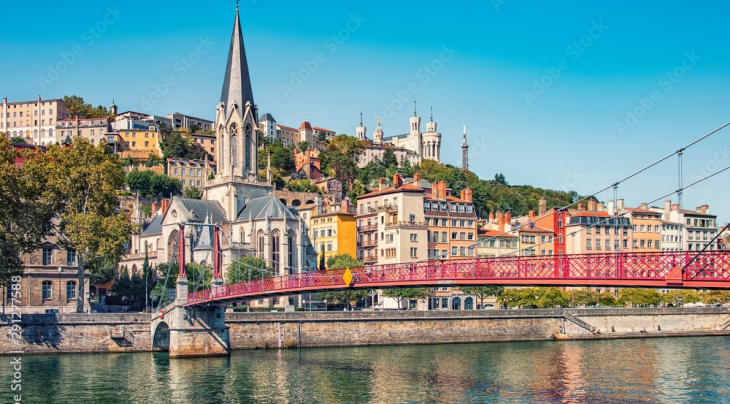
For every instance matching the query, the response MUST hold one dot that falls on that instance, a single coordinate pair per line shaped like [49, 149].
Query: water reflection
[633, 371]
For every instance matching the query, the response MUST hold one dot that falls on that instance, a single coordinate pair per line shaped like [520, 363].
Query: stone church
[254, 222]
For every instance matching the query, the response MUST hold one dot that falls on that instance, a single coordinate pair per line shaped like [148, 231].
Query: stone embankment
[77, 333]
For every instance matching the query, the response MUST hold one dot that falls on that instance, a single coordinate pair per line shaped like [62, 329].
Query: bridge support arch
[199, 330]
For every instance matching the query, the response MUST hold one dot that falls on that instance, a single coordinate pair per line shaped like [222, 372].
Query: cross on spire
[414, 109]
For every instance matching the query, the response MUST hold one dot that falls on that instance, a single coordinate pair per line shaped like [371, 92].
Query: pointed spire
[236, 83]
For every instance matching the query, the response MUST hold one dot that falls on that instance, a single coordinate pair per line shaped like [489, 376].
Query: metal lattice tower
[464, 153]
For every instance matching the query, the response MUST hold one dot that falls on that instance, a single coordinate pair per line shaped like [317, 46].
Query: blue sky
[544, 89]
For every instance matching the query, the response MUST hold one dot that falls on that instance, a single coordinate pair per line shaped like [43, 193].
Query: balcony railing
[369, 227]
[405, 224]
[369, 259]
[366, 243]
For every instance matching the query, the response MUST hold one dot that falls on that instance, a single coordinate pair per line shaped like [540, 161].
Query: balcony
[405, 225]
[369, 259]
[367, 243]
[369, 227]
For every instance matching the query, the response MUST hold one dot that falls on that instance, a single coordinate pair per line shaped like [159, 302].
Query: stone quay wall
[85, 333]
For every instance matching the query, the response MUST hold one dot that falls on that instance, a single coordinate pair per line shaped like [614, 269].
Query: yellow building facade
[335, 231]
[139, 141]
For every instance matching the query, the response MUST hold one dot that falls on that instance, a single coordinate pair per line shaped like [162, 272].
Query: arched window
[291, 260]
[243, 236]
[275, 245]
[247, 146]
[234, 146]
[260, 244]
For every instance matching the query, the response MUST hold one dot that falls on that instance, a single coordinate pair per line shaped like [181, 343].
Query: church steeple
[236, 83]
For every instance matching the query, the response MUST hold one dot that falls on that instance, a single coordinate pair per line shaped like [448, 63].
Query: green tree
[302, 146]
[342, 156]
[537, 297]
[347, 297]
[192, 192]
[500, 179]
[193, 127]
[246, 268]
[358, 188]
[606, 299]
[303, 185]
[482, 292]
[16, 139]
[164, 130]
[684, 296]
[24, 214]
[639, 297]
[716, 296]
[389, 158]
[406, 294]
[342, 261]
[584, 297]
[175, 145]
[76, 107]
[149, 183]
[81, 186]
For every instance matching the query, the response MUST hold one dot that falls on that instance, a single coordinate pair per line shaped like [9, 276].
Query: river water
[673, 370]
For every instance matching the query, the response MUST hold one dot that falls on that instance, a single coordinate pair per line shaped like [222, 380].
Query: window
[453, 207]
[414, 237]
[126, 144]
[329, 246]
[453, 222]
[656, 229]
[642, 228]
[636, 243]
[444, 237]
[462, 223]
[426, 206]
[588, 230]
[414, 252]
[608, 245]
[47, 256]
[183, 182]
[71, 290]
[453, 235]
[470, 236]
[71, 257]
[469, 208]
[598, 244]
[146, 135]
[589, 245]
[461, 208]
[454, 251]
[649, 243]
[134, 144]
[47, 288]
[462, 236]
[634, 226]
[147, 144]
[443, 222]
[598, 230]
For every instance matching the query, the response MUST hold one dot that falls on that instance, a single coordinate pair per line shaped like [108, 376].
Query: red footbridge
[670, 269]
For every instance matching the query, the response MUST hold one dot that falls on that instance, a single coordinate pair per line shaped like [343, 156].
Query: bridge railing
[714, 265]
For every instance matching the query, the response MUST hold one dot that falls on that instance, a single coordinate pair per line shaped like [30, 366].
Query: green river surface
[671, 370]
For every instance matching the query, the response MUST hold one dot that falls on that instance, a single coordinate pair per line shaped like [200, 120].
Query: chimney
[468, 195]
[600, 206]
[382, 184]
[611, 207]
[667, 209]
[531, 214]
[435, 190]
[345, 206]
[500, 221]
[442, 190]
[463, 194]
[165, 205]
[703, 209]
[154, 208]
[592, 205]
[582, 206]
[491, 217]
[543, 207]
[417, 180]
[397, 180]
[675, 207]
[643, 205]
[620, 206]
[508, 218]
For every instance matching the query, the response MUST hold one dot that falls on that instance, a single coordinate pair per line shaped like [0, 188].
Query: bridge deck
[711, 270]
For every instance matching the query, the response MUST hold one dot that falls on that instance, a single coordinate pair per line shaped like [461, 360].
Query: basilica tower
[415, 140]
[431, 141]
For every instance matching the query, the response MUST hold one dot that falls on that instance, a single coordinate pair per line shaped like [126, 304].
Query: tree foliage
[192, 192]
[149, 183]
[175, 145]
[540, 297]
[80, 184]
[77, 107]
[482, 292]
[342, 261]
[639, 297]
[303, 185]
[247, 268]
[405, 294]
[282, 158]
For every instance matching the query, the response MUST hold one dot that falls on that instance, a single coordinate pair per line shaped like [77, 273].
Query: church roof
[201, 208]
[267, 117]
[153, 226]
[265, 206]
[305, 126]
[396, 137]
[236, 83]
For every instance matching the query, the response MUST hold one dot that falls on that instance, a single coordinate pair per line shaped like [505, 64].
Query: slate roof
[236, 83]
[267, 117]
[154, 226]
[202, 208]
[265, 206]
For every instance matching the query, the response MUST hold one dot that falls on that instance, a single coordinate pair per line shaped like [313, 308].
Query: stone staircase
[121, 335]
[580, 323]
[724, 324]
